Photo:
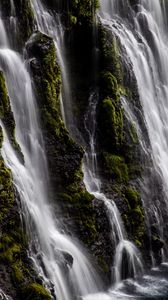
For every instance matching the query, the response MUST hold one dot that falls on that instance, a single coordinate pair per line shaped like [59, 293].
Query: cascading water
[51, 26]
[59, 260]
[47, 24]
[3, 38]
[143, 34]
[124, 249]
[4, 296]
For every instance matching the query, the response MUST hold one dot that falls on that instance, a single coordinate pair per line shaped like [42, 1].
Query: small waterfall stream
[123, 247]
[51, 26]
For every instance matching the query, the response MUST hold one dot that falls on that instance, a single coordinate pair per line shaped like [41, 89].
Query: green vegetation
[135, 215]
[83, 10]
[6, 115]
[116, 167]
[111, 124]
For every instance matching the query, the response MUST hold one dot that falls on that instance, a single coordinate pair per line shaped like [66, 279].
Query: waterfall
[123, 247]
[146, 44]
[48, 25]
[60, 260]
[3, 38]
[4, 296]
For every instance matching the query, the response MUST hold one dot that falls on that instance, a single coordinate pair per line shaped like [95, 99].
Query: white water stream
[60, 261]
[48, 25]
[93, 185]
[147, 47]
[143, 33]
[51, 26]
[144, 36]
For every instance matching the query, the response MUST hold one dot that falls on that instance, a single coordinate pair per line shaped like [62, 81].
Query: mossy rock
[7, 117]
[111, 125]
[37, 292]
[84, 10]
[134, 216]
[64, 155]
[116, 167]
[110, 85]
[132, 196]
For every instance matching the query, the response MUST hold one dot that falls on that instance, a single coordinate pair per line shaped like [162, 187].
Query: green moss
[82, 212]
[84, 10]
[117, 67]
[133, 134]
[133, 197]
[110, 54]
[116, 167]
[111, 124]
[38, 292]
[134, 219]
[110, 84]
[73, 20]
[6, 115]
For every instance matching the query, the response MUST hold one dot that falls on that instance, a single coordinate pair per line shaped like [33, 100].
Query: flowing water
[46, 24]
[143, 34]
[61, 262]
[124, 249]
[51, 25]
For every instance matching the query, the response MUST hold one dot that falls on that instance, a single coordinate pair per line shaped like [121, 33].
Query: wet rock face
[19, 19]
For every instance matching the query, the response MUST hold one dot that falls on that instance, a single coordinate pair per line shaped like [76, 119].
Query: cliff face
[120, 159]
